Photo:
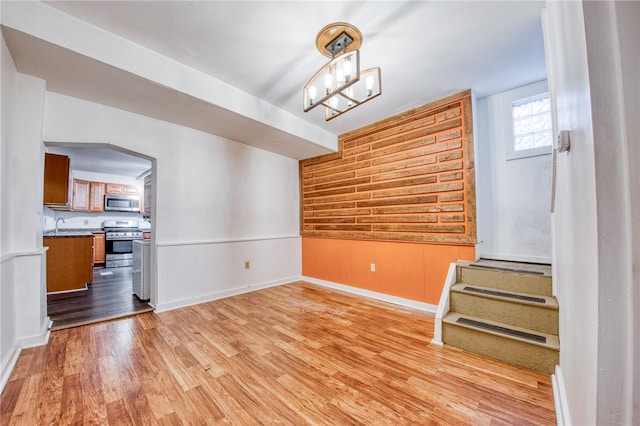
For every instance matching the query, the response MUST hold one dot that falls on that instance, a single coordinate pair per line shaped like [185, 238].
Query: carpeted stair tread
[499, 329]
[506, 295]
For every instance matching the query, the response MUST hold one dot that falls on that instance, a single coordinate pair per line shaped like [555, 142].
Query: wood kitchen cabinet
[69, 265]
[120, 188]
[96, 196]
[114, 188]
[99, 255]
[80, 195]
[56, 181]
[130, 190]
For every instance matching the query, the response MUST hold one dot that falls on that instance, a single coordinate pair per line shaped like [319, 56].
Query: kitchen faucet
[58, 220]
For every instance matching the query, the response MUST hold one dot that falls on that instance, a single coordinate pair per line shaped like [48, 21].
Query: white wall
[213, 270]
[628, 16]
[595, 224]
[9, 77]
[9, 83]
[513, 199]
[612, 34]
[217, 204]
[23, 320]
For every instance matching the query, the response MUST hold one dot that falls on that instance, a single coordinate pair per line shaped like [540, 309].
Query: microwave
[122, 203]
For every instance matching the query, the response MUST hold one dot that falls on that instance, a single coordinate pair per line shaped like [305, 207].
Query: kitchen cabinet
[96, 196]
[56, 181]
[120, 188]
[63, 193]
[130, 190]
[114, 188]
[99, 256]
[80, 196]
[69, 265]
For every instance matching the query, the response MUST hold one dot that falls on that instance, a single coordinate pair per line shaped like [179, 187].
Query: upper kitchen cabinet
[96, 196]
[56, 181]
[119, 188]
[80, 195]
[89, 196]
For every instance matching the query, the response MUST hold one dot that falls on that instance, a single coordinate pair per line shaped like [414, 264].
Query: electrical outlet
[247, 265]
[373, 267]
[86, 221]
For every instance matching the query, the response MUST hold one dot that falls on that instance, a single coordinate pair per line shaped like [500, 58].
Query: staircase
[504, 313]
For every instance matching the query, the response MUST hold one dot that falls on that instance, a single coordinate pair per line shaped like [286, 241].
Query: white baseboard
[408, 303]
[39, 340]
[563, 417]
[443, 306]
[7, 367]
[169, 306]
[14, 352]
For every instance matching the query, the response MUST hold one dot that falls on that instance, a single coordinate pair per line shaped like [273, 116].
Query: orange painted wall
[408, 270]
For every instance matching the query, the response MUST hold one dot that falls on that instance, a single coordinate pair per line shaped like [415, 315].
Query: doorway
[109, 295]
[513, 186]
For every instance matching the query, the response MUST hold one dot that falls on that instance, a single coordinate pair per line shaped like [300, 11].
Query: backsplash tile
[85, 220]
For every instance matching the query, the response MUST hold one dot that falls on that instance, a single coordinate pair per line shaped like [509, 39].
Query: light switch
[564, 141]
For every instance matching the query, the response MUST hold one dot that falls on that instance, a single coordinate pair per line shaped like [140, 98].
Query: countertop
[67, 233]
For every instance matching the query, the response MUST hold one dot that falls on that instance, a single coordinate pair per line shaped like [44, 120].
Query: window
[531, 118]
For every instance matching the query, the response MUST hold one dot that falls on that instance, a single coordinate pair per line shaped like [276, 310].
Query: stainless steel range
[119, 236]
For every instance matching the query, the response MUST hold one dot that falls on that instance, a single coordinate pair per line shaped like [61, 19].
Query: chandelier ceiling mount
[337, 37]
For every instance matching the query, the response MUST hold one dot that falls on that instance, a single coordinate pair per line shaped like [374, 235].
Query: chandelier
[340, 85]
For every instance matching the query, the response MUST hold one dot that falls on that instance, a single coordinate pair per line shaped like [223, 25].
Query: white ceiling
[426, 50]
[101, 159]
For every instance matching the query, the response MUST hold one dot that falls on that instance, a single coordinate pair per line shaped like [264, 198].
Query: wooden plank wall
[407, 178]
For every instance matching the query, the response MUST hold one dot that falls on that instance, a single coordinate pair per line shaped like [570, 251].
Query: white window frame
[514, 96]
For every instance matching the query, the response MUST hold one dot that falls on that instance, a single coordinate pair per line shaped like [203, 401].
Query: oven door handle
[123, 238]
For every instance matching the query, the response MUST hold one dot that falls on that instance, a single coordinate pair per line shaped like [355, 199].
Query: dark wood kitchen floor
[108, 297]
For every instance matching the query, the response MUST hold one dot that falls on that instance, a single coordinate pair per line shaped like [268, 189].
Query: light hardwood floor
[294, 354]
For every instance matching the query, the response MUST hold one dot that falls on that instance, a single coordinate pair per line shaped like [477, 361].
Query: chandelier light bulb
[312, 94]
[347, 69]
[369, 83]
[339, 76]
[333, 102]
[328, 82]
[350, 95]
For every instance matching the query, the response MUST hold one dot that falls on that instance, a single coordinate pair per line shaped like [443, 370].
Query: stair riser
[504, 280]
[508, 350]
[511, 313]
